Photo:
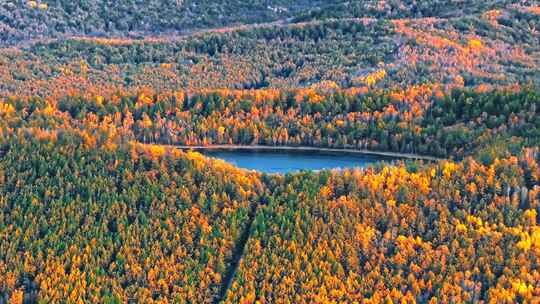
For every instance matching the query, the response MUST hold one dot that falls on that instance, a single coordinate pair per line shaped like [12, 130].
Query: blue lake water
[287, 161]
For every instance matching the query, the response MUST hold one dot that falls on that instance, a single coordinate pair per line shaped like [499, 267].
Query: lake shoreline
[307, 149]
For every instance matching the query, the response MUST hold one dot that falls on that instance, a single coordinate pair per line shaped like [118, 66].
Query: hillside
[405, 9]
[150, 223]
[23, 20]
[98, 203]
[86, 216]
[131, 18]
[496, 48]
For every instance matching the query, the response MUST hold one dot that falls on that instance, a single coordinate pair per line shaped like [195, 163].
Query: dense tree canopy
[89, 214]
[450, 233]
[421, 120]
[81, 224]
[59, 18]
[97, 205]
[497, 47]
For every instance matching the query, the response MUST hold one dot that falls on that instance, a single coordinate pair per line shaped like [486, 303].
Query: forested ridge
[107, 18]
[496, 47]
[98, 206]
[132, 18]
[419, 120]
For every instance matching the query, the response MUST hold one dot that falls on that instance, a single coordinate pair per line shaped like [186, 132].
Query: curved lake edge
[309, 149]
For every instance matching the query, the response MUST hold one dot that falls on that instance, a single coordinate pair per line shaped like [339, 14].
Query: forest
[420, 120]
[94, 210]
[123, 19]
[498, 47]
[133, 18]
[98, 204]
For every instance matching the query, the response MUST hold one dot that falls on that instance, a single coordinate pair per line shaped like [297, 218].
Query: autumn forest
[100, 202]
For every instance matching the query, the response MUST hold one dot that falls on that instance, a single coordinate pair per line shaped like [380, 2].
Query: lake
[274, 161]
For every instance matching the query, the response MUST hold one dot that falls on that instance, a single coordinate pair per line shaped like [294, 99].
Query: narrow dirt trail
[237, 256]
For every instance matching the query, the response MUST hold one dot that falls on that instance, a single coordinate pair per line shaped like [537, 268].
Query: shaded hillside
[496, 47]
[405, 8]
[22, 20]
